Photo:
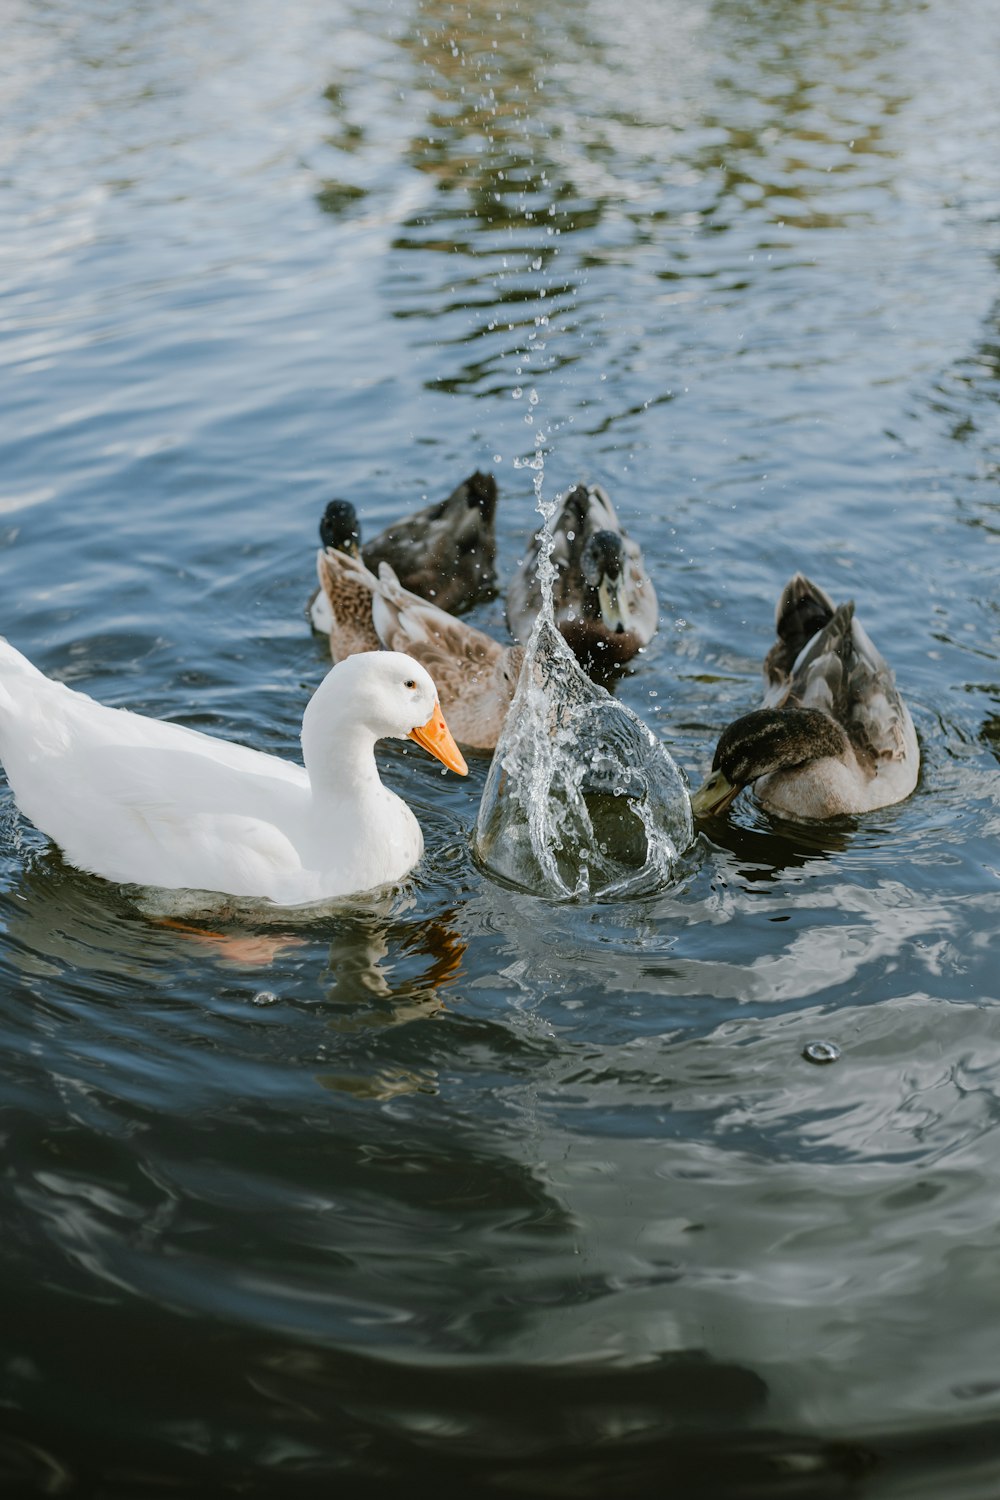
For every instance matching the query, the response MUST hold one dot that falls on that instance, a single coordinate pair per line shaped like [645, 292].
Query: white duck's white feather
[147, 802]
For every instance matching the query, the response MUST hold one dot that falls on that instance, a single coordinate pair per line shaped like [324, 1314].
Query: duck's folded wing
[803, 611]
[842, 673]
[168, 815]
[458, 661]
[425, 549]
[878, 714]
[230, 852]
[453, 652]
[643, 604]
[399, 615]
[601, 514]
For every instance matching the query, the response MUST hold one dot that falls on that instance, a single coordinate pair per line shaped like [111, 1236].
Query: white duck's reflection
[372, 966]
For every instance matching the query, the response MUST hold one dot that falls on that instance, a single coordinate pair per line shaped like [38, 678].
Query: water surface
[466, 1188]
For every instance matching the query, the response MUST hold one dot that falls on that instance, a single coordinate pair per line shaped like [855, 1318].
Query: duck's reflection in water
[383, 974]
[763, 847]
[381, 968]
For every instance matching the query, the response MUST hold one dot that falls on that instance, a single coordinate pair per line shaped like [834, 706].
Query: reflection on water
[470, 1191]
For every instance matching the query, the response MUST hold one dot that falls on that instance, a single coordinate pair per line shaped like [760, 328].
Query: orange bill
[436, 737]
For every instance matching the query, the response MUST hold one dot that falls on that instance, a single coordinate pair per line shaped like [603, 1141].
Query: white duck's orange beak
[436, 738]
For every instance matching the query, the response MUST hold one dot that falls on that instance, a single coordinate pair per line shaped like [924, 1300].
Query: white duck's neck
[339, 754]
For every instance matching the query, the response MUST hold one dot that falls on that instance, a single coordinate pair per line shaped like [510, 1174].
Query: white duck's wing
[141, 800]
[141, 839]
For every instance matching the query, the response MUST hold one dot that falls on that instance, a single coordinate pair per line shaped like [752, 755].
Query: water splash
[581, 798]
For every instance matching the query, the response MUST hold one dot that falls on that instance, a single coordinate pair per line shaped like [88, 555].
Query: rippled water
[476, 1192]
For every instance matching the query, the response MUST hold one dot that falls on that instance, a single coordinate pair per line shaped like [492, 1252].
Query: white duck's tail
[11, 660]
[13, 666]
[19, 689]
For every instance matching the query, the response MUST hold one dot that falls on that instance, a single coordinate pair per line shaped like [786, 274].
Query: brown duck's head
[766, 740]
[340, 528]
[510, 667]
[603, 568]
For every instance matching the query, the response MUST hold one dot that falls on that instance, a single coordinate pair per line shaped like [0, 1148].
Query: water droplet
[517, 393]
[821, 1052]
[265, 997]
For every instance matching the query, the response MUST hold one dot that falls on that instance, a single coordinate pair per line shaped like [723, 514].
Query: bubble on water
[265, 997]
[821, 1052]
[517, 393]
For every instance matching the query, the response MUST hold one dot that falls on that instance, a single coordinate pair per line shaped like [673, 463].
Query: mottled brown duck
[603, 600]
[833, 737]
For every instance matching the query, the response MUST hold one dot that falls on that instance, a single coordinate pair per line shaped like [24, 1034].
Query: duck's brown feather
[350, 605]
[447, 551]
[475, 675]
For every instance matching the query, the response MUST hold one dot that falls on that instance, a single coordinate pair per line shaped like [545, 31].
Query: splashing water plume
[581, 798]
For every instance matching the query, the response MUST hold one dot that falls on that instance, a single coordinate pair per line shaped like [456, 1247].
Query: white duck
[147, 802]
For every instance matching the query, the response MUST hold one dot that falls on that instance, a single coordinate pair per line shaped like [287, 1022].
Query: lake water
[469, 1192]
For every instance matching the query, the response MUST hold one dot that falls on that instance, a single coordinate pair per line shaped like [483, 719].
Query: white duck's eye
[410, 682]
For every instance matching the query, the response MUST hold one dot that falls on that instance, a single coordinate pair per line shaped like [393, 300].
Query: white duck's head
[371, 696]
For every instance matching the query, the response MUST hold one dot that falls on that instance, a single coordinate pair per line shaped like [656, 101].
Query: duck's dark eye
[410, 682]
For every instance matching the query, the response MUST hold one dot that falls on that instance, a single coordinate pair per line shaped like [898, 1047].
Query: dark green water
[471, 1193]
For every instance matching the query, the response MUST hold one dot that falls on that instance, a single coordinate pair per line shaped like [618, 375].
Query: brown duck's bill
[713, 796]
[614, 606]
[436, 738]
